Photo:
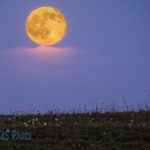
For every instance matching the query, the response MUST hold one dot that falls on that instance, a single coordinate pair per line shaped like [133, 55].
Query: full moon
[46, 26]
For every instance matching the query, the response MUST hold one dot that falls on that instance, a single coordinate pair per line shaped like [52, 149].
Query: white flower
[56, 119]
[45, 123]
[24, 123]
[132, 121]
[29, 121]
[129, 124]
[36, 119]
[7, 130]
[104, 133]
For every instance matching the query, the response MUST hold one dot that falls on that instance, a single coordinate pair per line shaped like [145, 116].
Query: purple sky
[104, 57]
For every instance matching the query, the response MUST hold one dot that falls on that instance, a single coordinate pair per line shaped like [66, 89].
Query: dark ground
[86, 131]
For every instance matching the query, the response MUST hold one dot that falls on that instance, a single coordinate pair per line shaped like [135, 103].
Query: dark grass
[96, 130]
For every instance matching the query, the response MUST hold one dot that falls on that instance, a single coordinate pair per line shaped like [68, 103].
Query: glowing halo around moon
[46, 26]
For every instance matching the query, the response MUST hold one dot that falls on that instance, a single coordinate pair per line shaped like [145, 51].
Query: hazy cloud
[53, 75]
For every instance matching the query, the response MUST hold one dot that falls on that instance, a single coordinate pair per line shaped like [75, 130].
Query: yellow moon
[46, 26]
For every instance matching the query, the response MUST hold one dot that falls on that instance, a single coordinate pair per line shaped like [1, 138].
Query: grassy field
[76, 131]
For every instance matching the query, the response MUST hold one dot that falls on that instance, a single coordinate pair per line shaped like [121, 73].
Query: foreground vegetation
[82, 131]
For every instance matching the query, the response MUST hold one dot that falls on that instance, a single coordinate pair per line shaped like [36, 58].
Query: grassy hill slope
[87, 131]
